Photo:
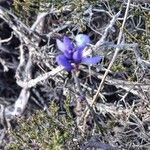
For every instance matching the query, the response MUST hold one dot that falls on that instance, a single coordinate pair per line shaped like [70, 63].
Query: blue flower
[72, 55]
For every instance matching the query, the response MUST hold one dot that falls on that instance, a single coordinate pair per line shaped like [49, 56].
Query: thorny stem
[80, 107]
[79, 103]
[77, 83]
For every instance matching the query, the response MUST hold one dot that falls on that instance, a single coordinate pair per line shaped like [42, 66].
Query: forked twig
[115, 54]
[111, 63]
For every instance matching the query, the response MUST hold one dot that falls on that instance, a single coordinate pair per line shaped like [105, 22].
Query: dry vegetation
[104, 106]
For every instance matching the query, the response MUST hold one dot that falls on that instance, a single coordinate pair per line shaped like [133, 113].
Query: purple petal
[77, 55]
[68, 55]
[63, 61]
[67, 43]
[91, 61]
[61, 46]
[82, 40]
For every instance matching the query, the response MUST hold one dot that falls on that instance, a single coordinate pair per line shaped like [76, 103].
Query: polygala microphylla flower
[72, 55]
